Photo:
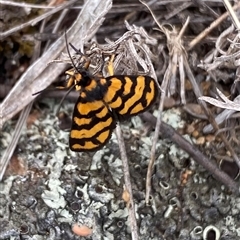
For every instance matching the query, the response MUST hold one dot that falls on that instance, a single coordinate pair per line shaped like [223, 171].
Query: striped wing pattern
[130, 95]
[103, 102]
[92, 126]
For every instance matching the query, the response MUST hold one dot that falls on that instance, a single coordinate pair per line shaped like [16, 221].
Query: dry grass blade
[176, 52]
[21, 121]
[17, 133]
[40, 75]
[227, 104]
[128, 186]
[232, 14]
[230, 108]
[220, 57]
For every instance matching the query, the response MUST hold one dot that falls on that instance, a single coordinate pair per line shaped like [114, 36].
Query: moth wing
[92, 126]
[130, 95]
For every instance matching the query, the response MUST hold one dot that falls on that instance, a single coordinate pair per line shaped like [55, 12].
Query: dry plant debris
[49, 192]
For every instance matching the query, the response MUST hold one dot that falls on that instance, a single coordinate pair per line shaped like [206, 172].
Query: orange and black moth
[103, 102]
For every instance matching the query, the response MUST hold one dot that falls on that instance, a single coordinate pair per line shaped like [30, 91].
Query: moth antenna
[44, 90]
[69, 51]
[36, 93]
[75, 49]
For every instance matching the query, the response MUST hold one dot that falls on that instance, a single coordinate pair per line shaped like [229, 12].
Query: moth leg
[110, 67]
[86, 64]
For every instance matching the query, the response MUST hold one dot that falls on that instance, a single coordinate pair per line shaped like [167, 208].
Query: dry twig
[226, 103]
[203, 34]
[168, 132]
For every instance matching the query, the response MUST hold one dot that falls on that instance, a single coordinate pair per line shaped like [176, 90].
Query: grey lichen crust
[62, 187]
